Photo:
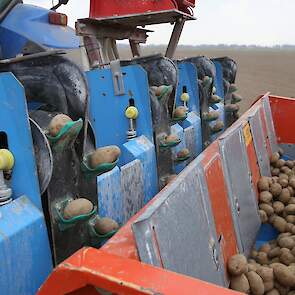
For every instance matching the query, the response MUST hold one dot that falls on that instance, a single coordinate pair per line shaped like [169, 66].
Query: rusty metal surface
[141, 19]
[240, 191]
[259, 143]
[176, 232]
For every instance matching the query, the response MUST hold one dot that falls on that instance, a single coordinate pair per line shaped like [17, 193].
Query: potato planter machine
[183, 187]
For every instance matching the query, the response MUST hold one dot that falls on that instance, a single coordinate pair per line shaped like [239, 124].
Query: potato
[289, 163]
[280, 163]
[275, 172]
[286, 256]
[57, 123]
[275, 260]
[282, 290]
[266, 273]
[263, 184]
[290, 209]
[267, 208]
[274, 158]
[269, 285]
[292, 200]
[240, 283]
[289, 227]
[180, 112]
[286, 242]
[292, 182]
[275, 189]
[282, 235]
[278, 207]
[265, 248]
[263, 216]
[293, 251]
[280, 224]
[285, 196]
[283, 275]
[290, 219]
[275, 252]
[252, 267]
[291, 293]
[283, 182]
[265, 197]
[256, 283]
[237, 265]
[77, 207]
[183, 153]
[273, 292]
[286, 170]
[272, 218]
[171, 138]
[160, 89]
[108, 154]
[219, 125]
[274, 179]
[105, 225]
[253, 253]
[262, 258]
[283, 176]
[280, 151]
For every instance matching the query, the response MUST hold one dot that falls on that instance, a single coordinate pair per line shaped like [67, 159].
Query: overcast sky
[260, 22]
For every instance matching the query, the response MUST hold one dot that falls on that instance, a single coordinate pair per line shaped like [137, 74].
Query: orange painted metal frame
[92, 267]
[283, 112]
[219, 200]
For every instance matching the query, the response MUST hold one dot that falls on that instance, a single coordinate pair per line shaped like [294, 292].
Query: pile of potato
[271, 269]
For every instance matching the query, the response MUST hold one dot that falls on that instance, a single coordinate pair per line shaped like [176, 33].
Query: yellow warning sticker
[247, 134]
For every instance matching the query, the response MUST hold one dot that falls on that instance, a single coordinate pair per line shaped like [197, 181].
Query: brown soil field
[259, 70]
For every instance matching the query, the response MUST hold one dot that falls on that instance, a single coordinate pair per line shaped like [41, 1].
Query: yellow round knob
[6, 159]
[131, 113]
[184, 97]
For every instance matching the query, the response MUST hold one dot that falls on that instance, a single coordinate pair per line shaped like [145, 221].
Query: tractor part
[131, 114]
[6, 164]
[54, 83]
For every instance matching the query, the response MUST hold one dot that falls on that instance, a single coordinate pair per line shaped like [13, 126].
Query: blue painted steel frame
[188, 78]
[25, 256]
[107, 115]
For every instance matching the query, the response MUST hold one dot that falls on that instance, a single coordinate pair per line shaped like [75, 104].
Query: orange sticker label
[247, 134]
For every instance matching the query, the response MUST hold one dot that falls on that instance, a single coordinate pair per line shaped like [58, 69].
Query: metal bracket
[117, 77]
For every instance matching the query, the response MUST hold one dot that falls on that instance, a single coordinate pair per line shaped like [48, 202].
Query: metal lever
[117, 77]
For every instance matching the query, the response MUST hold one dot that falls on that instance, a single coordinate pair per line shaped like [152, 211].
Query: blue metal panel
[107, 111]
[219, 79]
[110, 202]
[25, 258]
[219, 107]
[188, 78]
[178, 130]
[144, 150]
[14, 121]
[28, 22]
[194, 120]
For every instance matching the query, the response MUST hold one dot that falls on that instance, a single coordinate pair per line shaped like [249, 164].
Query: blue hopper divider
[24, 242]
[107, 115]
